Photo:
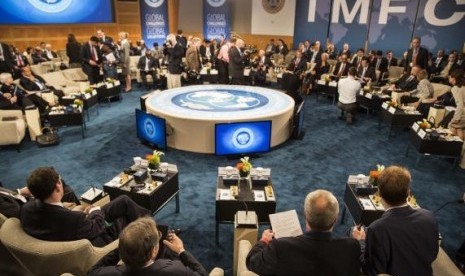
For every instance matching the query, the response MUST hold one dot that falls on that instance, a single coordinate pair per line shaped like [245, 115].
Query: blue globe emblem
[216, 3]
[243, 138]
[51, 6]
[149, 128]
[154, 3]
[220, 100]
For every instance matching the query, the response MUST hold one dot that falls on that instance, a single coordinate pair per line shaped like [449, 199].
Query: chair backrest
[440, 89]
[58, 79]
[75, 74]
[395, 72]
[46, 257]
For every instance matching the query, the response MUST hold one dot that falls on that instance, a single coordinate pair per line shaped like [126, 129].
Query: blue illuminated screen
[56, 11]
[242, 138]
[151, 129]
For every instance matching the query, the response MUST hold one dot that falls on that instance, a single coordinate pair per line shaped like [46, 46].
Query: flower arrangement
[374, 175]
[89, 90]
[78, 102]
[154, 159]
[393, 103]
[244, 167]
[110, 80]
[425, 124]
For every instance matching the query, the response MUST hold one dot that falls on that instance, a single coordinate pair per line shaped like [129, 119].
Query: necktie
[414, 57]
[94, 53]
[410, 78]
[20, 61]
[297, 62]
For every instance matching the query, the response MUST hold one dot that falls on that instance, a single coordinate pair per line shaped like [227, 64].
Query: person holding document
[316, 252]
[110, 61]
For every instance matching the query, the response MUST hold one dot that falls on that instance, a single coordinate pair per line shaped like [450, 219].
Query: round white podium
[191, 112]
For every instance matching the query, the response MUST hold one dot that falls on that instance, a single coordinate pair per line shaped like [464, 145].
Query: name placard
[109, 85]
[117, 83]
[369, 95]
[333, 84]
[422, 133]
[392, 110]
[87, 96]
[322, 82]
[415, 126]
[385, 105]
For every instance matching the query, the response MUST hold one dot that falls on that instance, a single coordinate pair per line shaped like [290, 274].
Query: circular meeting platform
[192, 112]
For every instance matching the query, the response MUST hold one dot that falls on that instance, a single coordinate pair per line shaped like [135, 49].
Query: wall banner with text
[216, 18]
[154, 21]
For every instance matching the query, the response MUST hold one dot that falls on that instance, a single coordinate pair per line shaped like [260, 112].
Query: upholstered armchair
[12, 127]
[50, 258]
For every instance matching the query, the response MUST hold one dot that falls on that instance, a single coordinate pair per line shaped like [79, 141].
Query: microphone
[246, 208]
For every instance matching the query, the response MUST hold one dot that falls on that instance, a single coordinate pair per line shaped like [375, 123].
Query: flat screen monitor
[151, 129]
[56, 11]
[242, 138]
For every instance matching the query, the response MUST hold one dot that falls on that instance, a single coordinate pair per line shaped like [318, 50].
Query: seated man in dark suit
[342, 66]
[148, 65]
[366, 73]
[18, 97]
[404, 241]
[32, 82]
[317, 252]
[139, 249]
[49, 54]
[12, 200]
[298, 64]
[408, 81]
[45, 217]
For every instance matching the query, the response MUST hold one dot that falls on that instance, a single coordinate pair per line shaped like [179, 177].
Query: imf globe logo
[51, 6]
[216, 3]
[242, 138]
[150, 129]
[154, 3]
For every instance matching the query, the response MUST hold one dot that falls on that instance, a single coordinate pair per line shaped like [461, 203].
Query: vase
[154, 166]
[244, 174]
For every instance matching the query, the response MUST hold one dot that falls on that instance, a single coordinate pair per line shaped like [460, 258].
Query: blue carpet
[329, 152]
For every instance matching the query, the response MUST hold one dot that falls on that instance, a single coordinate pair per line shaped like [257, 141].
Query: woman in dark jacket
[73, 51]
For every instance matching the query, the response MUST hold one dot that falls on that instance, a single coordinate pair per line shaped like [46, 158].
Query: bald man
[316, 252]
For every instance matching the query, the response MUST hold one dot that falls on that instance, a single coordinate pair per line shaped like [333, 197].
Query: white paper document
[259, 195]
[285, 224]
[225, 194]
[91, 194]
[111, 57]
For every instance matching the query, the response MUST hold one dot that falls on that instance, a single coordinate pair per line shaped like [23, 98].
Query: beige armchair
[60, 82]
[12, 127]
[50, 258]
[244, 248]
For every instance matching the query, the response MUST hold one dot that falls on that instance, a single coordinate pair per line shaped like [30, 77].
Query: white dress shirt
[348, 89]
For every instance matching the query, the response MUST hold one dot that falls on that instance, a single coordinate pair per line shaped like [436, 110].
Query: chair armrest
[216, 272]
[11, 113]
[244, 249]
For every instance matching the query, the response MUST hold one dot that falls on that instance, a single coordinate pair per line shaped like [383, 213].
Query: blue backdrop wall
[382, 24]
